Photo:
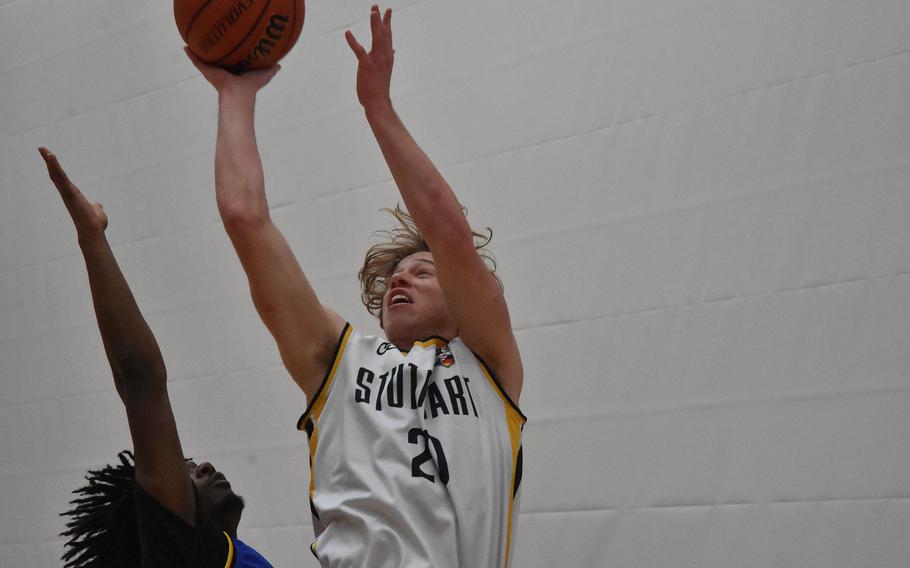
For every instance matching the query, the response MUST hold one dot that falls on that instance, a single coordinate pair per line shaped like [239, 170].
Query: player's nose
[204, 469]
[399, 280]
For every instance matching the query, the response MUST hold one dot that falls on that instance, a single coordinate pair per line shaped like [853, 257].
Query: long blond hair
[397, 243]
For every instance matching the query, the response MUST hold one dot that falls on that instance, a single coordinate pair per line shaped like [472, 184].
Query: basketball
[238, 35]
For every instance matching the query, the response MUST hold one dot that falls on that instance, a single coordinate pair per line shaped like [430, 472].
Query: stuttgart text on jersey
[407, 385]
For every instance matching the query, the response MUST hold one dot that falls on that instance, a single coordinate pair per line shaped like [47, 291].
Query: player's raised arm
[471, 292]
[305, 330]
[136, 362]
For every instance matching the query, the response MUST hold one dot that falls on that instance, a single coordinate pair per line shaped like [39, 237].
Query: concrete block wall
[700, 212]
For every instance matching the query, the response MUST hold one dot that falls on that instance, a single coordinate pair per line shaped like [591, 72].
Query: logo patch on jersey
[444, 357]
[384, 348]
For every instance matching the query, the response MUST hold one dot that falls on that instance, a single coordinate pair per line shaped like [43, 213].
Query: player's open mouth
[220, 481]
[398, 298]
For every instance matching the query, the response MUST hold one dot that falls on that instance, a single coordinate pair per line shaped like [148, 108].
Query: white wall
[701, 217]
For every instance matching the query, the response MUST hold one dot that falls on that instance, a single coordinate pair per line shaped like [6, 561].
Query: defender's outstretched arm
[138, 368]
[304, 329]
[470, 290]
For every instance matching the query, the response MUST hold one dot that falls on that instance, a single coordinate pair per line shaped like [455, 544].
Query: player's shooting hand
[223, 80]
[89, 218]
[374, 68]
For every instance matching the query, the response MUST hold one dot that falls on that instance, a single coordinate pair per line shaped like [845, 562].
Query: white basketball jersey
[415, 458]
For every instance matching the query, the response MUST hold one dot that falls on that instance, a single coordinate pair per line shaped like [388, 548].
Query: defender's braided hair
[102, 529]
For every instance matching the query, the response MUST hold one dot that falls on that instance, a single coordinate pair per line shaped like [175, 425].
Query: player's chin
[228, 501]
[394, 317]
[402, 323]
[236, 501]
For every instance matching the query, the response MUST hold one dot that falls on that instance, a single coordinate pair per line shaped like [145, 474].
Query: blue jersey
[246, 556]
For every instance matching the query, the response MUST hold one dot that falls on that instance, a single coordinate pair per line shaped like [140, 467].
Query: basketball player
[415, 438]
[161, 510]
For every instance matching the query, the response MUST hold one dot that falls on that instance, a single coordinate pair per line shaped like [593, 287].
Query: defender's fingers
[358, 49]
[55, 171]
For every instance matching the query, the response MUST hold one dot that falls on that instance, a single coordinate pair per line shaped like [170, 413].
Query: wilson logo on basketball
[239, 35]
[263, 48]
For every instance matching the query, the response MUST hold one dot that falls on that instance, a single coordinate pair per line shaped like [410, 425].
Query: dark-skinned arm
[471, 292]
[135, 359]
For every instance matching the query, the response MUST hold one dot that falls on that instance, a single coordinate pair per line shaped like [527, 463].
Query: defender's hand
[248, 81]
[89, 218]
[374, 69]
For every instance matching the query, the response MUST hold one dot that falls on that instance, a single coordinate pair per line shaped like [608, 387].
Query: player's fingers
[195, 60]
[387, 24]
[56, 173]
[358, 49]
[266, 75]
[376, 27]
[271, 72]
[210, 72]
[68, 191]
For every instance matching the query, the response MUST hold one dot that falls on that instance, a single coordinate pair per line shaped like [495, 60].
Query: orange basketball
[239, 34]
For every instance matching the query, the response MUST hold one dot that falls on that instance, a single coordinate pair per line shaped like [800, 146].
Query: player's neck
[228, 522]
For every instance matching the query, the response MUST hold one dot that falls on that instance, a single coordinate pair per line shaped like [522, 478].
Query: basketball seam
[189, 27]
[252, 29]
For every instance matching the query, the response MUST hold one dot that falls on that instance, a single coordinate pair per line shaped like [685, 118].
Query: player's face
[413, 308]
[213, 491]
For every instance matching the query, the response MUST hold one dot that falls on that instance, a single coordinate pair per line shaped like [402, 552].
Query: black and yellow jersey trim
[498, 386]
[515, 419]
[230, 551]
[432, 341]
[329, 374]
[309, 421]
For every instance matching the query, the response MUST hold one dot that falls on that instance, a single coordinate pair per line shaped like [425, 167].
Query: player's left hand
[374, 68]
[89, 218]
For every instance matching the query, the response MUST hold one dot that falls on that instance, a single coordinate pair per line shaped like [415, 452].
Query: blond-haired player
[415, 437]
